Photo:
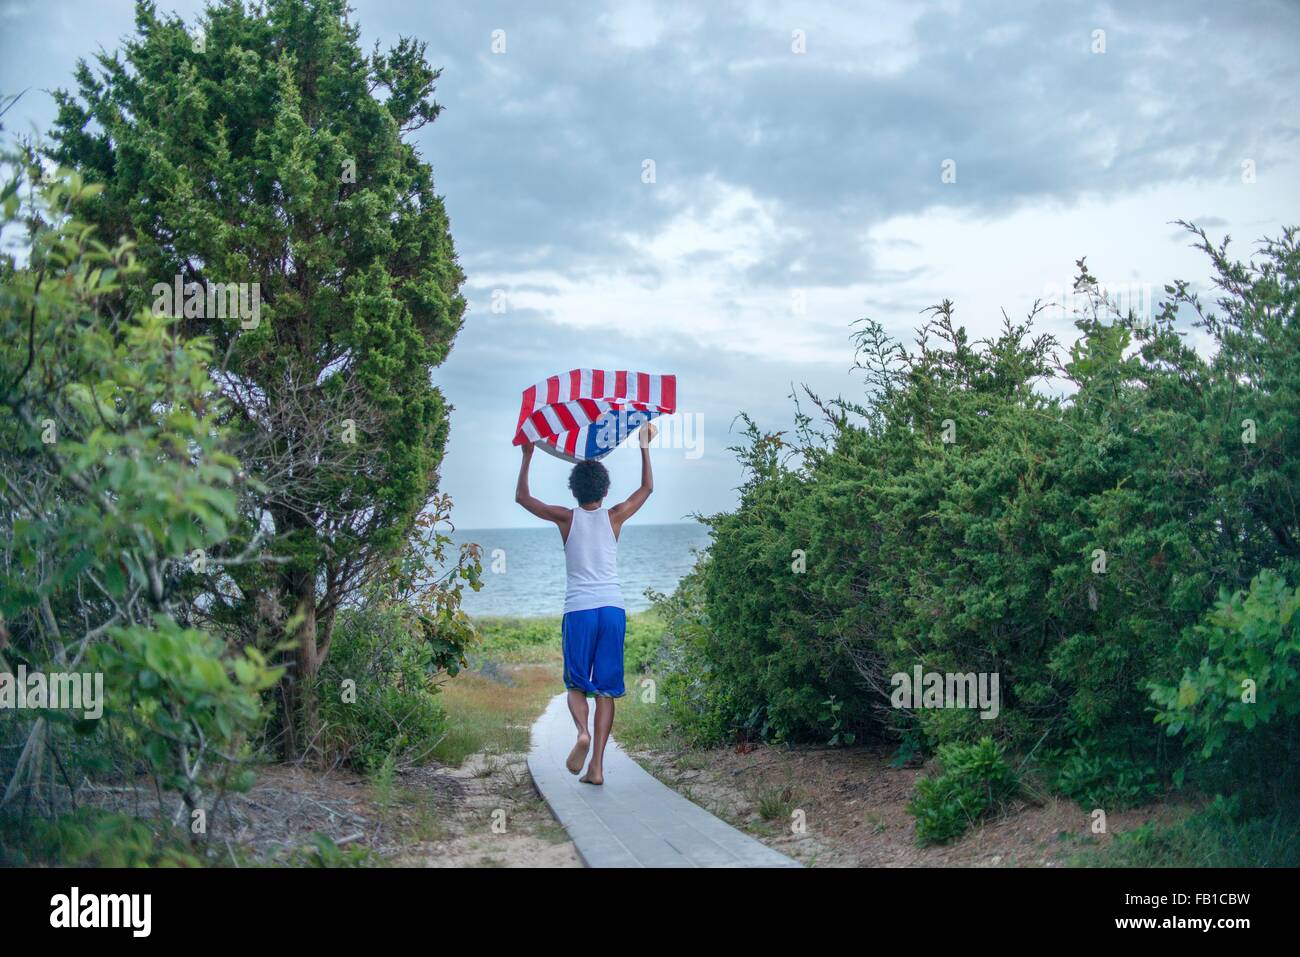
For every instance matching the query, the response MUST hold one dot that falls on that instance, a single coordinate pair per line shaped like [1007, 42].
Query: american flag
[587, 413]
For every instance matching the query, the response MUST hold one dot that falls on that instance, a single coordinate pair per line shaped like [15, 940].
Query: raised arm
[621, 512]
[552, 513]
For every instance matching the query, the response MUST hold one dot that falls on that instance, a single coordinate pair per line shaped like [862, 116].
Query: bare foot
[593, 777]
[579, 753]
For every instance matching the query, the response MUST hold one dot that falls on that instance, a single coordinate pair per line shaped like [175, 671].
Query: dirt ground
[852, 805]
[824, 807]
[496, 820]
[482, 814]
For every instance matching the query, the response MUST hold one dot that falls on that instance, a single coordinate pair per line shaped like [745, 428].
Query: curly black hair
[589, 481]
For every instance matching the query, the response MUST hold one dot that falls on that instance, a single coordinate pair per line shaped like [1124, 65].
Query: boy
[594, 617]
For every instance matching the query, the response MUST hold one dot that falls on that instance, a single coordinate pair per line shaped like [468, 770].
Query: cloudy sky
[799, 153]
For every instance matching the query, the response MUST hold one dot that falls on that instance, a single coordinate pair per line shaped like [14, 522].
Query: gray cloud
[539, 155]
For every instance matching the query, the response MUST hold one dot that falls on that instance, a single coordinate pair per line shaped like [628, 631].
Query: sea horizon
[543, 525]
[523, 568]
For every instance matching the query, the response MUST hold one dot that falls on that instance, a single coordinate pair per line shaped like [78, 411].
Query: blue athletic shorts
[593, 651]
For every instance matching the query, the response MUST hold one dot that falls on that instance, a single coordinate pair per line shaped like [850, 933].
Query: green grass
[776, 803]
[645, 633]
[518, 640]
[515, 669]
[1214, 837]
[486, 715]
[641, 724]
[531, 640]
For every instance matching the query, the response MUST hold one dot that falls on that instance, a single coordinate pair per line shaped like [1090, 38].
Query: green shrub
[1221, 835]
[830, 716]
[701, 709]
[89, 837]
[966, 517]
[378, 692]
[1242, 699]
[975, 779]
[116, 488]
[645, 634]
[190, 703]
[1094, 778]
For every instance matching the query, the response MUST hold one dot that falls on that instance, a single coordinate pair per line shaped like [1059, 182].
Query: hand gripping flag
[587, 413]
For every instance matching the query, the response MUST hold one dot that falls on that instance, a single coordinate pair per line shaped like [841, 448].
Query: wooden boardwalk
[632, 820]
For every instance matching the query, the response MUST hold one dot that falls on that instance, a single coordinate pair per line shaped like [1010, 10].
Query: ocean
[529, 580]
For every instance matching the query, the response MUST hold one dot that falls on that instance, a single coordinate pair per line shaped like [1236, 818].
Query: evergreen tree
[264, 147]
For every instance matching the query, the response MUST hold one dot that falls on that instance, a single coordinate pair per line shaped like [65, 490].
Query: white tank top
[591, 562]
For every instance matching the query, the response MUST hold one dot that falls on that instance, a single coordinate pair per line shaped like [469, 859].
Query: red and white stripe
[556, 410]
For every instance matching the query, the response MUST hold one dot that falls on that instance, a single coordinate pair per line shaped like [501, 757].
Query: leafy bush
[963, 518]
[645, 633]
[976, 778]
[830, 716]
[89, 837]
[1094, 778]
[378, 692]
[1221, 835]
[115, 484]
[1243, 696]
[700, 708]
[190, 703]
